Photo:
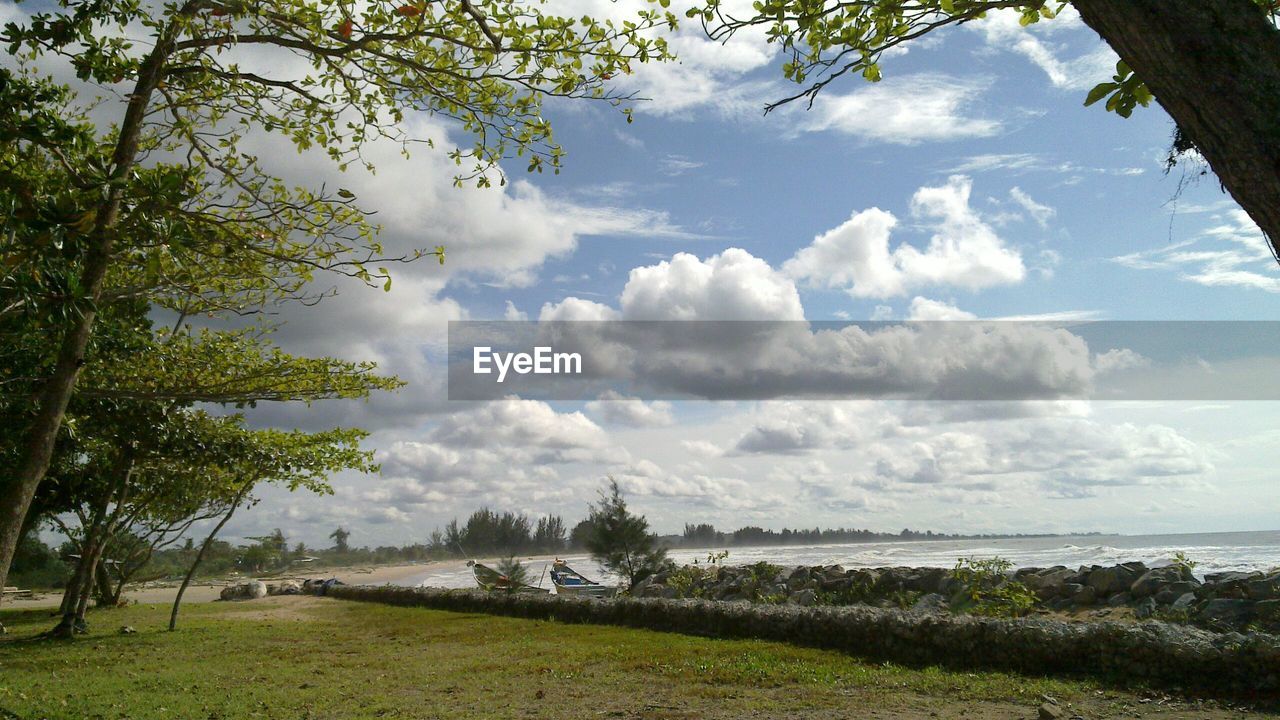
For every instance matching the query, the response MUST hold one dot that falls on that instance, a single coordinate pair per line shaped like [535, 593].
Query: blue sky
[703, 208]
[971, 182]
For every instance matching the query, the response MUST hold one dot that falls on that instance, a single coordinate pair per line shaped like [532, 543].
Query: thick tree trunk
[51, 402]
[1214, 66]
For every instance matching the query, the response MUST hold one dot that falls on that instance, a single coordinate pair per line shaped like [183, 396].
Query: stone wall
[1223, 601]
[1153, 653]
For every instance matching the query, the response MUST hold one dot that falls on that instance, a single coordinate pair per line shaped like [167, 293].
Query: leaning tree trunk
[204, 547]
[1214, 66]
[51, 401]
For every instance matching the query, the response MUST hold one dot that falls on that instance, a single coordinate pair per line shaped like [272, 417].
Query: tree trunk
[51, 401]
[191, 571]
[105, 591]
[1214, 66]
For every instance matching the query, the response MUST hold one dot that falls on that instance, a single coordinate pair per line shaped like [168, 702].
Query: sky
[970, 183]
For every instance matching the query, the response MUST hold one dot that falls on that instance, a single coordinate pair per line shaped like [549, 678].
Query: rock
[1049, 583]
[1185, 602]
[1228, 578]
[289, 587]
[244, 591]
[1267, 610]
[1154, 580]
[1175, 590]
[1266, 588]
[930, 603]
[1079, 594]
[1120, 599]
[1111, 580]
[1227, 611]
[658, 590]
[1145, 608]
[805, 597]
[1049, 711]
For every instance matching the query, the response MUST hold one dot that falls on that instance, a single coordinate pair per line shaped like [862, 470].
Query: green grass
[296, 657]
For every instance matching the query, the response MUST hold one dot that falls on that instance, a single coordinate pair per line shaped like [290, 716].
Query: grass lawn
[305, 657]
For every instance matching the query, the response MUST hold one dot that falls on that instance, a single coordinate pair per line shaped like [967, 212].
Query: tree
[621, 541]
[580, 534]
[339, 538]
[487, 64]
[1213, 65]
[549, 534]
[293, 459]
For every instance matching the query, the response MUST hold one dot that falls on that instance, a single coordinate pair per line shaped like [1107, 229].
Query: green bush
[987, 589]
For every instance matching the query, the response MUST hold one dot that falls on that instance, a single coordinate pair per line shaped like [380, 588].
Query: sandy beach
[206, 590]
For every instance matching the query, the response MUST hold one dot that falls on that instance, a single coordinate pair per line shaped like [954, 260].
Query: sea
[1211, 552]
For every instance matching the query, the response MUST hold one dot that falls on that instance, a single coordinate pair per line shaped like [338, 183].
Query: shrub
[988, 590]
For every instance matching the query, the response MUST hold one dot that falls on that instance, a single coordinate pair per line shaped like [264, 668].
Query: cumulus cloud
[924, 309]
[1119, 359]
[734, 285]
[796, 427]
[615, 409]
[964, 250]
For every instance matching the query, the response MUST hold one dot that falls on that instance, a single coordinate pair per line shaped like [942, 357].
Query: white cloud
[923, 308]
[675, 165]
[1039, 212]
[964, 251]
[1232, 253]
[1118, 360]
[905, 110]
[1002, 31]
[734, 285]
[614, 409]
[513, 313]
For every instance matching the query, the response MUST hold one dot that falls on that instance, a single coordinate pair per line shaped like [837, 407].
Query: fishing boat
[571, 582]
[492, 580]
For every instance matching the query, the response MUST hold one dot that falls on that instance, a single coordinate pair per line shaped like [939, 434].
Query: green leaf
[1099, 91]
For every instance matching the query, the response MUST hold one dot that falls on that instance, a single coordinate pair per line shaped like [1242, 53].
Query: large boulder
[1155, 580]
[1264, 588]
[1227, 611]
[1049, 583]
[1267, 610]
[931, 603]
[285, 587]
[1108, 581]
[803, 597]
[251, 590]
[1175, 590]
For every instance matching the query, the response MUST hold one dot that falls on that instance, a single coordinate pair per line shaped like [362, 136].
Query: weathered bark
[104, 592]
[1214, 66]
[94, 543]
[51, 401]
[204, 547]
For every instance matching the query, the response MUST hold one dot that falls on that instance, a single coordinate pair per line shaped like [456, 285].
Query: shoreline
[208, 590]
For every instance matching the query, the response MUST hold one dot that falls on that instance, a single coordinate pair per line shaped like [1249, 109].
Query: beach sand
[206, 590]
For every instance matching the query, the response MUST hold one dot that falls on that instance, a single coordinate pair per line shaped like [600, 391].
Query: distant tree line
[706, 535]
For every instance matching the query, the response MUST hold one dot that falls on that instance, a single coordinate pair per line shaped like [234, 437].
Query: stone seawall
[1152, 653]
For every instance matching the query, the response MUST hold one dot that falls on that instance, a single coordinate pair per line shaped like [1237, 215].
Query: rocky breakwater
[1221, 601]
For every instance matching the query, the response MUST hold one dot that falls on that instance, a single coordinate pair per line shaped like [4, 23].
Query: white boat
[571, 582]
